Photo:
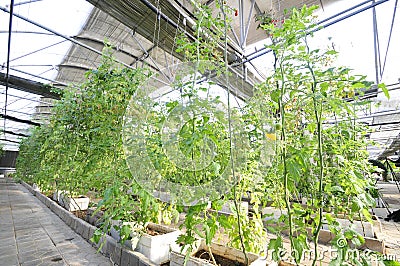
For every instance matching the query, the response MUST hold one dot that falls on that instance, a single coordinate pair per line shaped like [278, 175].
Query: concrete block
[374, 245]
[42, 198]
[116, 254]
[85, 233]
[125, 257]
[91, 230]
[62, 216]
[74, 221]
[177, 258]
[144, 263]
[103, 244]
[93, 219]
[67, 219]
[365, 229]
[75, 203]
[58, 210]
[28, 187]
[80, 227]
[110, 246]
[52, 206]
[145, 241]
[325, 236]
[48, 202]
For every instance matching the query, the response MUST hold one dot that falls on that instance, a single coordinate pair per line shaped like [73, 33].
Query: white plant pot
[230, 205]
[178, 258]
[74, 203]
[156, 248]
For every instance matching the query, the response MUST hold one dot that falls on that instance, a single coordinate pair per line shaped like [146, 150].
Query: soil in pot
[154, 232]
[80, 214]
[222, 261]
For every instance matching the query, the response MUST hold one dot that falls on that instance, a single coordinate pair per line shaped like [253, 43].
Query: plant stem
[318, 119]
[284, 151]
[211, 255]
[246, 260]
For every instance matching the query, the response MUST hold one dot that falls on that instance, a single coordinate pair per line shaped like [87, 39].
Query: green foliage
[200, 135]
[80, 150]
[208, 34]
[320, 149]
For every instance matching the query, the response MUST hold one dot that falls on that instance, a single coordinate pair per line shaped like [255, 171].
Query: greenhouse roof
[56, 42]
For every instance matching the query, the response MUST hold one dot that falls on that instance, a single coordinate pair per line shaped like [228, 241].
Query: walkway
[390, 230]
[31, 234]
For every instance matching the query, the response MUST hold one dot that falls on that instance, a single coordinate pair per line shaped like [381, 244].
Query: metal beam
[74, 66]
[55, 83]
[12, 141]
[27, 2]
[246, 32]
[15, 134]
[23, 121]
[28, 86]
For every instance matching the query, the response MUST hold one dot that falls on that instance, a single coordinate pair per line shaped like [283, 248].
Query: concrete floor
[390, 229]
[31, 234]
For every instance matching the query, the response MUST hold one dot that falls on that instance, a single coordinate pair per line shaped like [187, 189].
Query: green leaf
[358, 85]
[276, 245]
[391, 263]
[299, 245]
[331, 52]
[385, 91]
[223, 220]
[275, 94]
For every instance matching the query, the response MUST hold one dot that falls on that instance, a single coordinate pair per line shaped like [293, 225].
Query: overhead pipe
[23, 121]
[36, 76]
[12, 141]
[27, 32]
[15, 134]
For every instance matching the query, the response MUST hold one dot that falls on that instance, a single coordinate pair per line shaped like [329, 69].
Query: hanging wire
[378, 66]
[8, 58]
[230, 133]
[389, 39]
[156, 32]
[38, 50]
[175, 37]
